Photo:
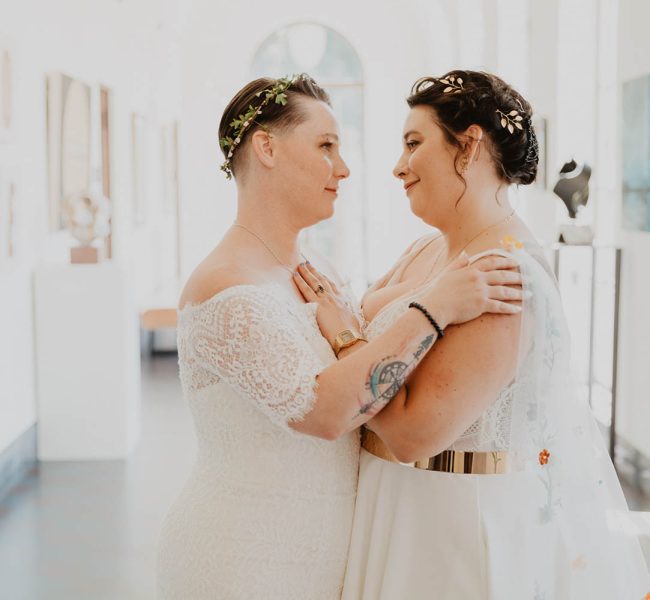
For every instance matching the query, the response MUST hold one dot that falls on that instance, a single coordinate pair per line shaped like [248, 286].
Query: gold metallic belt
[449, 461]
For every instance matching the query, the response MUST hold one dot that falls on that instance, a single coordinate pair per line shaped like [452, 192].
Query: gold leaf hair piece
[277, 93]
[454, 84]
[511, 120]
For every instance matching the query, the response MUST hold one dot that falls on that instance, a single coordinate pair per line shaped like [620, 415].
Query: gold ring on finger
[320, 289]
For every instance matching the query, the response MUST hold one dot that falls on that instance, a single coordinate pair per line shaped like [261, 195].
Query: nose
[342, 170]
[401, 168]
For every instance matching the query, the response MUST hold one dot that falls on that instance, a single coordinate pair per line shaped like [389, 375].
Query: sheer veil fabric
[553, 528]
[579, 503]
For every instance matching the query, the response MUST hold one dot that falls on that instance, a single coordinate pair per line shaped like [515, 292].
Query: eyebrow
[410, 132]
[330, 135]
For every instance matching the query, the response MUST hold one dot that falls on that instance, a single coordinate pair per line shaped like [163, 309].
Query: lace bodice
[249, 338]
[267, 511]
[491, 431]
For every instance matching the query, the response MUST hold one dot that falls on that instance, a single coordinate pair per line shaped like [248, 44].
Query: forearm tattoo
[387, 376]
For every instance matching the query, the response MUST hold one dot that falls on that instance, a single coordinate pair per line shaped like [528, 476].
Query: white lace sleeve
[248, 337]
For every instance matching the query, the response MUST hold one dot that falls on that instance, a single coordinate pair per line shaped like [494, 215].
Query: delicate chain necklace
[502, 221]
[273, 254]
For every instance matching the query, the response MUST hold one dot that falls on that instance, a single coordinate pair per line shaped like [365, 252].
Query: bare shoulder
[504, 238]
[210, 278]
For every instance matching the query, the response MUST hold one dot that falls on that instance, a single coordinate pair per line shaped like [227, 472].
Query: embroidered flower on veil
[544, 455]
[511, 243]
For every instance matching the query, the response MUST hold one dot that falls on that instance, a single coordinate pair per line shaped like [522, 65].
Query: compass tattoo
[388, 376]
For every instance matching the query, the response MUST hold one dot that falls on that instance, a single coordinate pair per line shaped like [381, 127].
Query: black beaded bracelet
[427, 314]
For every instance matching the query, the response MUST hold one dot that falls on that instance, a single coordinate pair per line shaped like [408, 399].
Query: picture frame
[68, 141]
[636, 154]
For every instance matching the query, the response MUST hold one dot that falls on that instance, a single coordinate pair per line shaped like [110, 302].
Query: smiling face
[427, 168]
[309, 166]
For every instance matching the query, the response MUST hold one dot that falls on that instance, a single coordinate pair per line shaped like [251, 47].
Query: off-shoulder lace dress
[266, 512]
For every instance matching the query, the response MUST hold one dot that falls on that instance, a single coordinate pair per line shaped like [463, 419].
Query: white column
[87, 362]
[605, 187]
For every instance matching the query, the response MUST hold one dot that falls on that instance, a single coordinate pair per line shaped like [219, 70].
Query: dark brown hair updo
[478, 98]
[274, 115]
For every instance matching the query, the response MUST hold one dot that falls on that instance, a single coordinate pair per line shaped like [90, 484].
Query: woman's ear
[473, 139]
[262, 144]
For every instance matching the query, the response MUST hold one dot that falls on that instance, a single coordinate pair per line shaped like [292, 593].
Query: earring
[464, 165]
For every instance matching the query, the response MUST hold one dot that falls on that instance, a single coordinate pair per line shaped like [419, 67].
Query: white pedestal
[87, 362]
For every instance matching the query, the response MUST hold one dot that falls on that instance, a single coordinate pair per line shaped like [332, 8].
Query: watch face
[347, 336]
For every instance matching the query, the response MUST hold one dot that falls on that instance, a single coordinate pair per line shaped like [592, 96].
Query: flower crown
[239, 125]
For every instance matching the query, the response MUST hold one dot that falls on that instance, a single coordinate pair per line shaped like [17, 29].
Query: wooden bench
[153, 320]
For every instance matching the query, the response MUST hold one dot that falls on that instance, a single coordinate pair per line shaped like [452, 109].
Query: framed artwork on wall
[8, 233]
[105, 133]
[170, 182]
[139, 168]
[636, 154]
[68, 141]
[169, 148]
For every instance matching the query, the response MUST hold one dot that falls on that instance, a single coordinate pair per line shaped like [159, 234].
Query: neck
[474, 217]
[263, 216]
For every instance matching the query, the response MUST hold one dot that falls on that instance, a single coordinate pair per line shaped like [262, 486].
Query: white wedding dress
[266, 512]
[551, 530]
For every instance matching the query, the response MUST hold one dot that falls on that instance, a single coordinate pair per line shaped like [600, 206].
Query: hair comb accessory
[532, 151]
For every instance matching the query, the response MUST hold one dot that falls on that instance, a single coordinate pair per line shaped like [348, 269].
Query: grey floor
[88, 530]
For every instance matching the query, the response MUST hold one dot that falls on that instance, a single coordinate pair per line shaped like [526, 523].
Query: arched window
[331, 60]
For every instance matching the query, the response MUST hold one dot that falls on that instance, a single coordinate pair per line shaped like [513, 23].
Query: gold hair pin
[454, 84]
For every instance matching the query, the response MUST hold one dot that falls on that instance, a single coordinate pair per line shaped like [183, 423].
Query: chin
[328, 207]
[415, 209]
[327, 214]
[323, 215]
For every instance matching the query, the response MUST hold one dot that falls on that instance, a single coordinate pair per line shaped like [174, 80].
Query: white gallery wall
[184, 59]
[129, 47]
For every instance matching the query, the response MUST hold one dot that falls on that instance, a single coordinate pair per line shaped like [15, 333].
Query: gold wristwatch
[345, 339]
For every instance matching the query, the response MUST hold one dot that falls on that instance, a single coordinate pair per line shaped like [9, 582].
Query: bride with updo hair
[486, 477]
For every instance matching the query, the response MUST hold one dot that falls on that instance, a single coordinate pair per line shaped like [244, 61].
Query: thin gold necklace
[502, 221]
[273, 254]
